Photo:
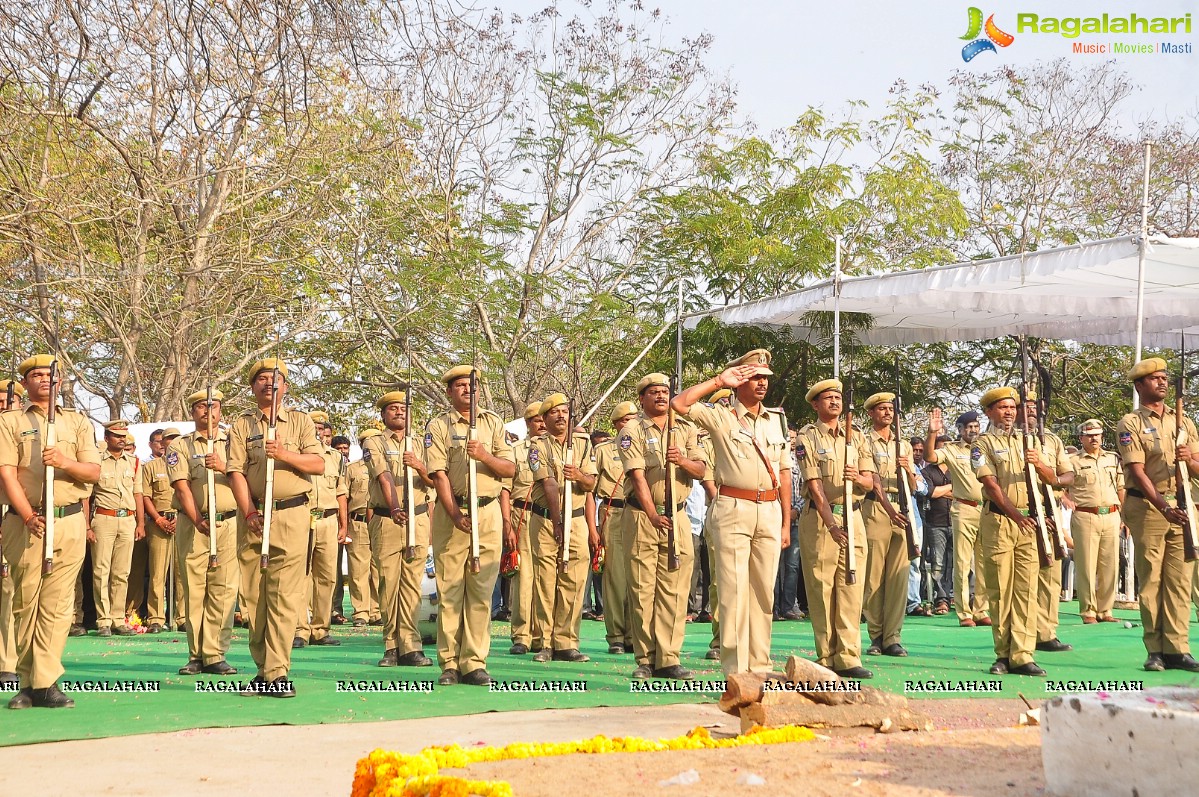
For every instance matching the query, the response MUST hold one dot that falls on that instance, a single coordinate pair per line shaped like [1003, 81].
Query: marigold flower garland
[387, 773]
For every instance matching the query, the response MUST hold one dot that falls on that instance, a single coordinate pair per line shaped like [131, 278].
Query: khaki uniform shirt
[643, 447]
[332, 483]
[955, 457]
[119, 482]
[821, 455]
[1149, 438]
[885, 465]
[520, 486]
[736, 463]
[385, 452]
[21, 447]
[247, 451]
[359, 481]
[1097, 479]
[1002, 456]
[445, 450]
[185, 462]
[609, 471]
[156, 483]
[546, 457]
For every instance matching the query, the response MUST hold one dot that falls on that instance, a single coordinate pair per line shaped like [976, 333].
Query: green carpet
[939, 649]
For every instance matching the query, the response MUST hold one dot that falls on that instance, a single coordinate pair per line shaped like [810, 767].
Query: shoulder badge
[366, 454]
[625, 441]
[800, 451]
[428, 439]
[172, 458]
[1125, 438]
[534, 459]
[976, 457]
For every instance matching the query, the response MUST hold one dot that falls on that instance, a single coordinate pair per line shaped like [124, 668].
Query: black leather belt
[615, 503]
[358, 517]
[995, 510]
[222, 516]
[873, 496]
[421, 508]
[324, 513]
[635, 504]
[285, 503]
[523, 506]
[464, 500]
[170, 514]
[544, 512]
[59, 511]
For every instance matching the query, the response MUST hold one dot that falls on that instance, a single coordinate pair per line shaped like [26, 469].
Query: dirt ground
[976, 750]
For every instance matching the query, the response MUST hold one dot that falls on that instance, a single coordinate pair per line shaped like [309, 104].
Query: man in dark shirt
[938, 534]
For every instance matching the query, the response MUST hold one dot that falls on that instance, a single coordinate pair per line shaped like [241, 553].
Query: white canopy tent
[1086, 293]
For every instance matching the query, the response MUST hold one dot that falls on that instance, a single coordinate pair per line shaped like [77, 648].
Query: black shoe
[221, 667]
[358, 623]
[193, 667]
[1054, 645]
[1030, 668]
[675, 672]
[999, 667]
[105, 631]
[478, 677]
[296, 644]
[570, 654]
[713, 654]
[616, 650]
[894, 649]
[543, 655]
[389, 658]
[1154, 663]
[449, 677]
[1180, 661]
[876, 648]
[51, 697]
[518, 649]
[22, 699]
[255, 688]
[642, 673]
[280, 687]
[415, 658]
[589, 615]
[9, 678]
[338, 619]
[154, 628]
[77, 630]
[123, 630]
[855, 673]
[327, 641]
[703, 617]
[376, 621]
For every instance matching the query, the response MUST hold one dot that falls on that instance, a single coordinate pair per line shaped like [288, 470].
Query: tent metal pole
[1144, 245]
[837, 307]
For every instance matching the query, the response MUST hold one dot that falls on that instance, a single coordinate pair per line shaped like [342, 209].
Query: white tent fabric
[1085, 292]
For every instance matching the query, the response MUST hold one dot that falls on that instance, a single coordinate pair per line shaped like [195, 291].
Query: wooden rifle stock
[672, 540]
[268, 500]
[210, 475]
[1182, 473]
[409, 484]
[1053, 509]
[48, 502]
[472, 473]
[11, 394]
[901, 478]
[851, 557]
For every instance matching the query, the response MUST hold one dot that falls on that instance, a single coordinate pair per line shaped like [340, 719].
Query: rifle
[211, 486]
[48, 502]
[1182, 474]
[1032, 483]
[1053, 509]
[901, 479]
[567, 493]
[851, 559]
[409, 486]
[672, 539]
[268, 501]
[8, 400]
[472, 472]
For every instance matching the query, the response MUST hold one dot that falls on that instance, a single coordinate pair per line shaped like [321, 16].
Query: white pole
[1141, 263]
[837, 308]
[625, 373]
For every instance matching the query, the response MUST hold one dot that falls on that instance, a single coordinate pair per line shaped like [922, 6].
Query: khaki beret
[319, 416]
[758, 357]
[823, 386]
[723, 393]
[36, 361]
[878, 398]
[1091, 426]
[17, 390]
[170, 433]
[533, 410]
[202, 395]
[129, 436]
[268, 364]
[652, 380]
[1029, 394]
[457, 372]
[119, 426]
[553, 400]
[1145, 367]
[391, 397]
[363, 434]
[998, 394]
[622, 409]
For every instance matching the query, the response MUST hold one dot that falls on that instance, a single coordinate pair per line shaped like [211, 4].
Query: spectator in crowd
[789, 584]
[938, 533]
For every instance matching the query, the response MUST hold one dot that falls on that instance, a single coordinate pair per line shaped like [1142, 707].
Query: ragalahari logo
[994, 36]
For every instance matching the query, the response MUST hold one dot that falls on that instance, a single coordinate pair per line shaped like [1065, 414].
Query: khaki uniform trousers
[1164, 578]
[967, 558]
[1049, 597]
[558, 597]
[399, 581]
[249, 548]
[364, 576]
[1096, 559]
[1011, 564]
[276, 601]
[520, 595]
[618, 622]
[209, 594]
[316, 589]
[112, 555]
[746, 538]
[160, 551]
[887, 568]
[658, 611]
[834, 607]
[8, 631]
[135, 593]
[464, 598]
[41, 607]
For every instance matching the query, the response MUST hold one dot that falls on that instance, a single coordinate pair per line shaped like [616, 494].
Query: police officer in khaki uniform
[609, 494]
[519, 505]
[659, 594]
[964, 514]
[8, 636]
[1147, 440]
[329, 519]
[209, 592]
[41, 603]
[161, 517]
[464, 615]
[719, 398]
[751, 517]
[558, 595]
[363, 576]
[277, 600]
[386, 457]
[117, 507]
[887, 563]
[1097, 493]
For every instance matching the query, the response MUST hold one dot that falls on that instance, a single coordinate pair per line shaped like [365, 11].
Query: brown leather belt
[758, 496]
[100, 510]
[285, 503]
[1099, 510]
[967, 502]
